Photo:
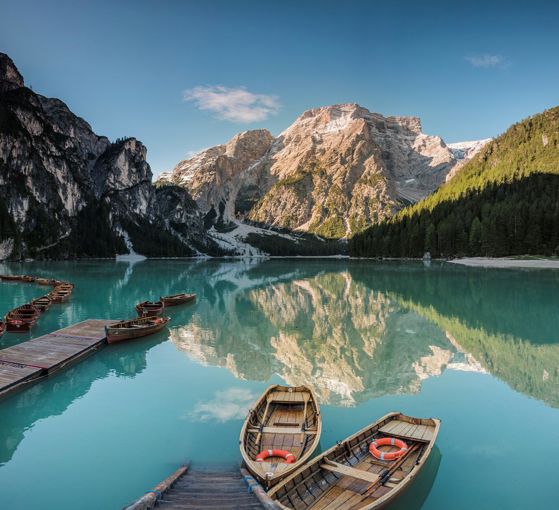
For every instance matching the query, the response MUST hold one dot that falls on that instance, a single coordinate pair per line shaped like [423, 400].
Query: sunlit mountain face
[360, 332]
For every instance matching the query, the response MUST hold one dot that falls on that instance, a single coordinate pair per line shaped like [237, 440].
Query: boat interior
[349, 477]
[285, 421]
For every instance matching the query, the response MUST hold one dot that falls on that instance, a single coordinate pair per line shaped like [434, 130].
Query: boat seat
[282, 430]
[342, 469]
[285, 397]
[407, 430]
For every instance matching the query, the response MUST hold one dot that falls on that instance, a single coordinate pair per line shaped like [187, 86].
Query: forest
[505, 201]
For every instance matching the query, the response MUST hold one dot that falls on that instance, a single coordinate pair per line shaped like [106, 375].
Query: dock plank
[40, 356]
[12, 373]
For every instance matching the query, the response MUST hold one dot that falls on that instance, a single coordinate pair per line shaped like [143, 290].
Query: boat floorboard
[33, 359]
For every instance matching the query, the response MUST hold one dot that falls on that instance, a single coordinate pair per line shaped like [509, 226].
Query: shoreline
[507, 263]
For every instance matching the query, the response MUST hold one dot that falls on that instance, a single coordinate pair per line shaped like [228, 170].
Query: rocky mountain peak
[10, 77]
[336, 170]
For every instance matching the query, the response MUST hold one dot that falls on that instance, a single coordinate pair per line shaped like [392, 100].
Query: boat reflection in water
[359, 333]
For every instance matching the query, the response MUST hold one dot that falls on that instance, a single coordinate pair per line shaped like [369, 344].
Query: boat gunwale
[303, 459]
[388, 497]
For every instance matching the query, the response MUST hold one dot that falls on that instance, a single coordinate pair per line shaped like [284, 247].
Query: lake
[477, 348]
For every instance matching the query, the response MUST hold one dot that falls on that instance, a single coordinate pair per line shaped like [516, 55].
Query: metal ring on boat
[264, 454]
[388, 441]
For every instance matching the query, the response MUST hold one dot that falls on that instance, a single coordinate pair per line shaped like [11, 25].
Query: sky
[182, 76]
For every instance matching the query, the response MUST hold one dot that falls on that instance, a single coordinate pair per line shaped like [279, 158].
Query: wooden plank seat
[281, 430]
[406, 430]
[286, 397]
[342, 469]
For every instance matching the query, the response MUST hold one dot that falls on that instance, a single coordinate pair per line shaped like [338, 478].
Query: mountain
[502, 202]
[66, 192]
[335, 171]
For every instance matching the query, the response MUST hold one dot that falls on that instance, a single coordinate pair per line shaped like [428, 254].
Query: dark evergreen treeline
[306, 245]
[517, 218]
[503, 202]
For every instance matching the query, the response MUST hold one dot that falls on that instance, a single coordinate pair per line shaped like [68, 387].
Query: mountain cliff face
[502, 202]
[66, 191]
[333, 172]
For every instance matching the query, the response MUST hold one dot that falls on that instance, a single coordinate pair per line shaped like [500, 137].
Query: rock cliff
[65, 191]
[333, 172]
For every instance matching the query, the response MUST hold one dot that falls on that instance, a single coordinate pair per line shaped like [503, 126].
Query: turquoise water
[477, 348]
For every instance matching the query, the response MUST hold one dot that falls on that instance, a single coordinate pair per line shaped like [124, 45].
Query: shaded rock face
[66, 191]
[221, 176]
[333, 172]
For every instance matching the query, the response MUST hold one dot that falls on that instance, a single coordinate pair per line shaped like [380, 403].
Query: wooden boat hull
[117, 333]
[149, 309]
[15, 324]
[42, 304]
[360, 480]
[178, 299]
[11, 278]
[281, 416]
[59, 297]
[2, 328]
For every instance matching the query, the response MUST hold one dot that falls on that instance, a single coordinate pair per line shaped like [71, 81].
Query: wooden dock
[206, 490]
[35, 359]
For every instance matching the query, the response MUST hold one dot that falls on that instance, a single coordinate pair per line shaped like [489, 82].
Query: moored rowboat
[16, 323]
[177, 299]
[42, 304]
[46, 281]
[12, 277]
[149, 308]
[282, 416]
[60, 294]
[356, 479]
[136, 328]
[28, 310]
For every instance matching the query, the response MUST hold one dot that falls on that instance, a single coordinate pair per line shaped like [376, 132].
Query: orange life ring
[388, 441]
[264, 454]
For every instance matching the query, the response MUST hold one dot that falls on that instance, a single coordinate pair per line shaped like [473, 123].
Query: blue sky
[185, 75]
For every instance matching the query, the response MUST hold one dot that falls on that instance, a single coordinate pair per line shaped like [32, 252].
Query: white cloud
[486, 60]
[231, 404]
[234, 104]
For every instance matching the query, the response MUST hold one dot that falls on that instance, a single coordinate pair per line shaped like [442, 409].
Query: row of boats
[22, 318]
[365, 471]
[150, 318]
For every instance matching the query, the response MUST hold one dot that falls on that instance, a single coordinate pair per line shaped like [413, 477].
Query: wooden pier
[206, 490]
[35, 359]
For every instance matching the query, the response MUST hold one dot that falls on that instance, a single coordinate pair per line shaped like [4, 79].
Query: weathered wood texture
[31, 360]
[204, 490]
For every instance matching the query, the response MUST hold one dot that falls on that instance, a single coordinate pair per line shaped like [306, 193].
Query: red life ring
[264, 454]
[388, 441]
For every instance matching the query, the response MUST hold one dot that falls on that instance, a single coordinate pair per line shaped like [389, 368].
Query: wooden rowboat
[149, 308]
[177, 299]
[285, 421]
[16, 323]
[136, 328]
[348, 476]
[42, 304]
[12, 277]
[28, 310]
[60, 294]
[2, 328]
[46, 281]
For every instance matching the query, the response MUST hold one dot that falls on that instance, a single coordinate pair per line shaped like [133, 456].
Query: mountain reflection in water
[366, 331]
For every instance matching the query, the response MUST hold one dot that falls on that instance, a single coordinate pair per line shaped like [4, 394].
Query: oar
[386, 476]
